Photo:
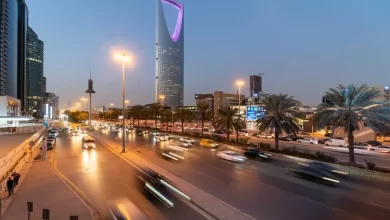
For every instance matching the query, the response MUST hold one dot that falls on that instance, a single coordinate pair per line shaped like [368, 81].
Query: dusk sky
[304, 47]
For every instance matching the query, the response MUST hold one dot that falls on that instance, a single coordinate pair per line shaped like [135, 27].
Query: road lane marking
[93, 211]
[381, 206]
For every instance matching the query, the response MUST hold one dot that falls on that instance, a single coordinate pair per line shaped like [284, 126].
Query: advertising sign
[254, 112]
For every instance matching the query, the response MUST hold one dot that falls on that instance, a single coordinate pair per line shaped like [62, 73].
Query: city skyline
[309, 49]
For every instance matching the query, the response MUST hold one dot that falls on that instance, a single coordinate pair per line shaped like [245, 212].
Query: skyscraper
[22, 78]
[8, 47]
[170, 56]
[255, 84]
[35, 62]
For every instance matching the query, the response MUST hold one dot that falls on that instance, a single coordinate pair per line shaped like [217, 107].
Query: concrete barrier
[208, 203]
[16, 158]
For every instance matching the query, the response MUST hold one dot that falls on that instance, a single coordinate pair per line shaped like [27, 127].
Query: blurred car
[308, 141]
[159, 137]
[296, 138]
[88, 142]
[265, 135]
[124, 209]
[361, 145]
[184, 144]
[50, 143]
[323, 140]
[244, 133]
[374, 143]
[208, 143]
[337, 142]
[231, 155]
[327, 168]
[187, 139]
[285, 138]
[75, 132]
[254, 153]
[381, 149]
[315, 174]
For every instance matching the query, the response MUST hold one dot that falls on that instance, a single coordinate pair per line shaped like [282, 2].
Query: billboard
[254, 112]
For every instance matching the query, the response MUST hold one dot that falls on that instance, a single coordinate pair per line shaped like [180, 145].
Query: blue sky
[304, 47]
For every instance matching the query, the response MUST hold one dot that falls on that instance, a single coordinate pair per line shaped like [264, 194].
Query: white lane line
[381, 206]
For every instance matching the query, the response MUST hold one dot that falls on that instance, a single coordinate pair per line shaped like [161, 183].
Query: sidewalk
[40, 184]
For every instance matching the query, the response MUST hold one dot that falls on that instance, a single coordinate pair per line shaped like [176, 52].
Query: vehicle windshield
[89, 141]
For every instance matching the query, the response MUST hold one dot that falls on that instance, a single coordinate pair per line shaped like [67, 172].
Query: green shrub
[370, 165]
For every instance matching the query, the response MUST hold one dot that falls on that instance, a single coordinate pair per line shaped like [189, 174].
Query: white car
[160, 137]
[184, 144]
[187, 139]
[308, 141]
[242, 133]
[381, 149]
[264, 135]
[231, 155]
[88, 142]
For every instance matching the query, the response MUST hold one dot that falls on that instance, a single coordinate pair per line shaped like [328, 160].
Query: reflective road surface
[265, 190]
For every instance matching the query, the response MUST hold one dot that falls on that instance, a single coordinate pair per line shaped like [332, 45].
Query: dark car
[322, 141]
[285, 138]
[374, 143]
[255, 153]
[295, 138]
[315, 174]
[327, 168]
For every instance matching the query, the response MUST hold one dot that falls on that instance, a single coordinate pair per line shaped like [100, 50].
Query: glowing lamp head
[123, 57]
[162, 97]
[240, 83]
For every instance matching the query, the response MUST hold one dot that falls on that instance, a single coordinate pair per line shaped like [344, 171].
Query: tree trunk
[182, 126]
[228, 131]
[133, 121]
[350, 147]
[202, 126]
[276, 139]
[138, 121]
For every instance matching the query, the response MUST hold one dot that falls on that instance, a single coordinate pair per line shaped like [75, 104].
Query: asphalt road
[102, 176]
[266, 190]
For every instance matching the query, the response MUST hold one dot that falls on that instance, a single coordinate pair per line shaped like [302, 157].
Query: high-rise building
[22, 87]
[35, 61]
[170, 56]
[255, 85]
[43, 85]
[218, 99]
[8, 47]
[53, 103]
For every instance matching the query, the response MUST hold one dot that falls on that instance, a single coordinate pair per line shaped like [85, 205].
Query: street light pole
[123, 103]
[239, 83]
[124, 58]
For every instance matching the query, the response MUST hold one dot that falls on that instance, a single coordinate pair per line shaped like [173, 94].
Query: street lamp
[124, 58]
[127, 103]
[239, 84]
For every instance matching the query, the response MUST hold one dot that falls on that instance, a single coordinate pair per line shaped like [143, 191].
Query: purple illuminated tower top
[170, 56]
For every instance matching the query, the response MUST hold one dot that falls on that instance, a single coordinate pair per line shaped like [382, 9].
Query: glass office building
[170, 57]
[35, 61]
[8, 47]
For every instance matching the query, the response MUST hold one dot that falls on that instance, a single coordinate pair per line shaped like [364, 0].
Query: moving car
[361, 145]
[323, 141]
[50, 143]
[315, 174]
[75, 132]
[184, 144]
[88, 142]
[208, 143]
[254, 153]
[336, 142]
[325, 167]
[266, 136]
[381, 149]
[187, 139]
[295, 138]
[231, 155]
[374, 143]
[54, 130]
[160, 137]
[123, 208]
[285, 138]
[308, 141]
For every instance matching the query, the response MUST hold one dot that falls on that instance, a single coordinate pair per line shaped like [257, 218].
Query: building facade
[22, 88]
[218, 99]
[255, 85]
[170, 57]
[384, 94]
[8, 47]
[35, 61]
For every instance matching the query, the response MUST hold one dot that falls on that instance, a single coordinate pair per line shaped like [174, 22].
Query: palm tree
[203, 109]
[156, 110]
[136, 112]
[354, 107]
[238, 124]
[183, 115]
[281, 114]
[225, 119]
[145, 115]
[166, 117]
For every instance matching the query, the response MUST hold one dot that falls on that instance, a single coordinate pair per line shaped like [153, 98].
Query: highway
[102, 176]
[266, 190]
